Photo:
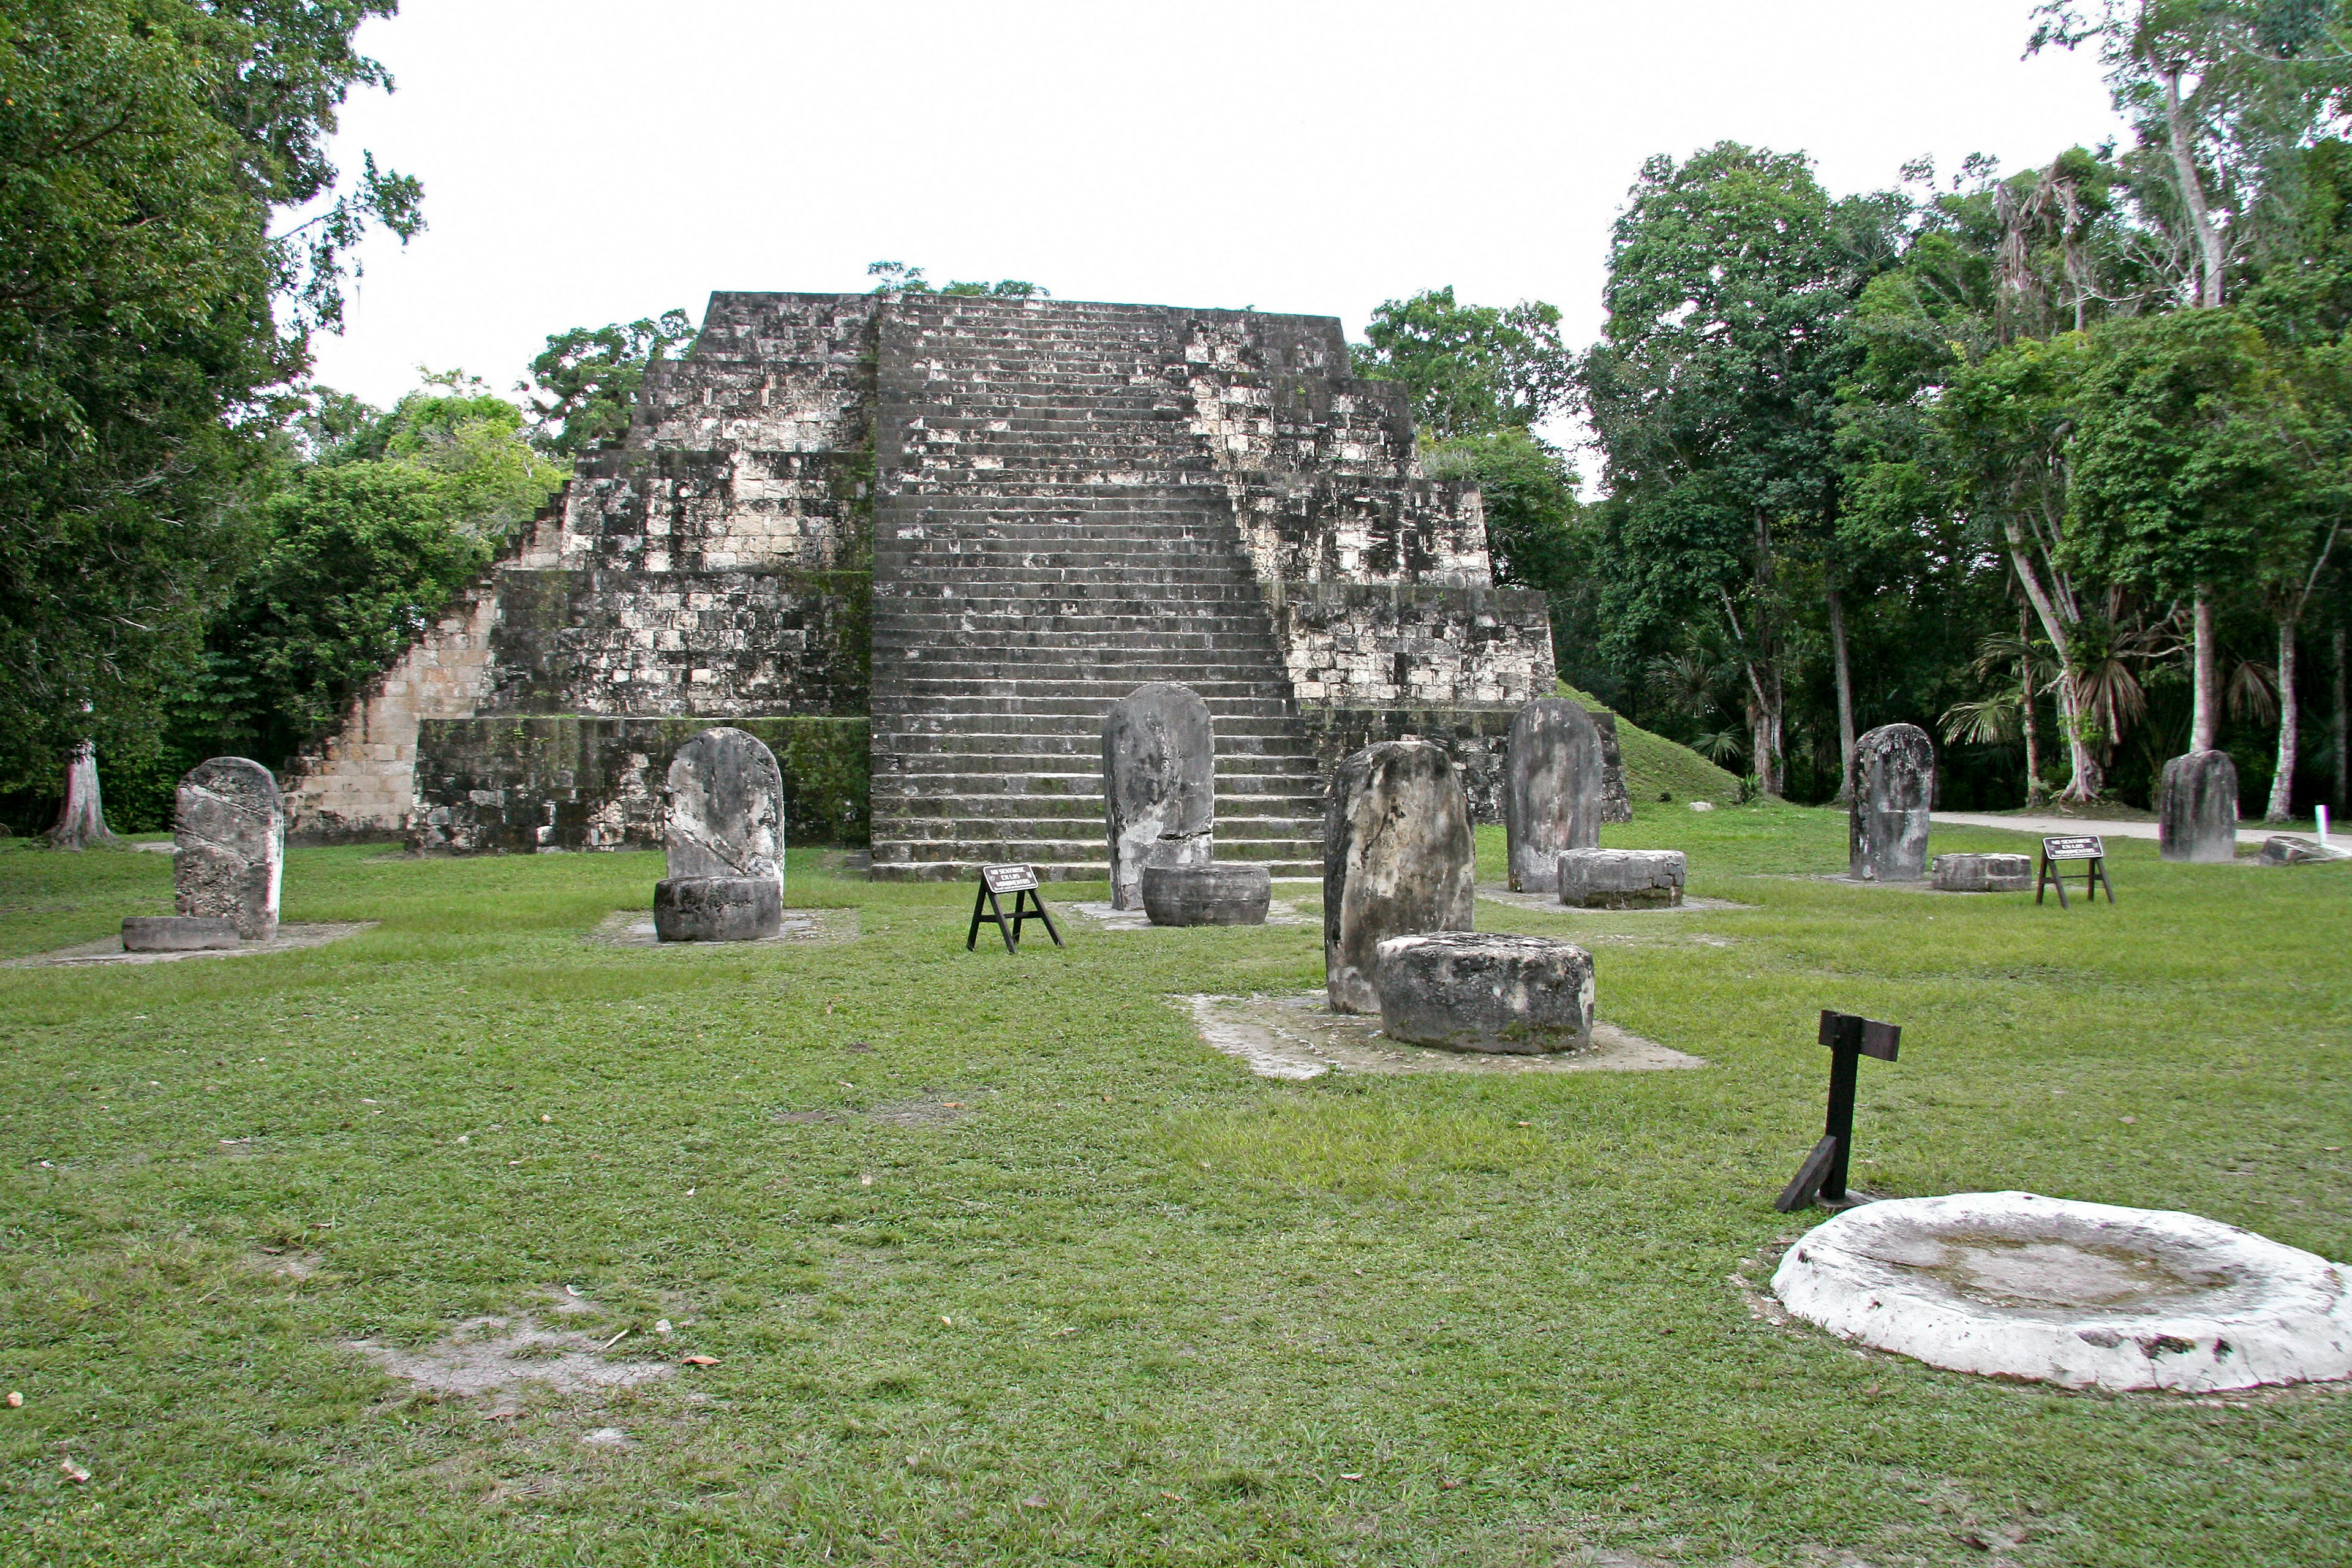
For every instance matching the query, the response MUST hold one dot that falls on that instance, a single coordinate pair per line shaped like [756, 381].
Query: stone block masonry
[979, 522]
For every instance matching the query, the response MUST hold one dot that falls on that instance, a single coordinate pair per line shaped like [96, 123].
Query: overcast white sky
[589, 161]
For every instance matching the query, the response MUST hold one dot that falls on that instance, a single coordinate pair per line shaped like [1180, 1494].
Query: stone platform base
[110, 950]
[717, 908]
[635, 928]
[1983, 873]
[179, 933]
[1298, 1036]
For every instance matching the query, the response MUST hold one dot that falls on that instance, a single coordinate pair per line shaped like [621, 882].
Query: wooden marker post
[2056, 852]
[1849, 1038]
[1021, 881]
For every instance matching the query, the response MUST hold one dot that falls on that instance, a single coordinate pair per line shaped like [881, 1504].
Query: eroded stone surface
[2197, 809]
[1227, 894]
[1159, 764]
[1621, 878]
[1398, 859]
[1893, 788]
[178, 933]
[1553, 794]
[2085, 1295]
[229, 844]
[717, 908]
[1984, 873]
[2284, 849]
[1478, 991]
[726, 809]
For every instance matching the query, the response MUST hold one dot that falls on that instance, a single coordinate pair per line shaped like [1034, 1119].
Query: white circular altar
[2085, 1295]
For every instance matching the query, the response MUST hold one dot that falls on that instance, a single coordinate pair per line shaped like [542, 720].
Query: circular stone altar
[2085, 1295]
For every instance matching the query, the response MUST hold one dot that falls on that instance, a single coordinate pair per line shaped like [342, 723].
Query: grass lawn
[1123, 1303]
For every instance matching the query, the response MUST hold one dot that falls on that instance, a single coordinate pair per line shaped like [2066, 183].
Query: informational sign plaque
[1028, 904]
[2087, 848]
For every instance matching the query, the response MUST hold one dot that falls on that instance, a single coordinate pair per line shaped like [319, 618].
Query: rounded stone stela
[1218, 894]
[2082, 1295]
[718, 909]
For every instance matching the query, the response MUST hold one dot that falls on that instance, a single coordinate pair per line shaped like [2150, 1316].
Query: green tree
[1714, 392]
[1473, 370]
[896, 277]
[145, 147]
[586, 380]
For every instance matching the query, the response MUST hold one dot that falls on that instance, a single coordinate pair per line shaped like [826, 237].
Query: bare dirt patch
[286, 1264]
[495, 1355]
[1298, 1036]
[931, 1109]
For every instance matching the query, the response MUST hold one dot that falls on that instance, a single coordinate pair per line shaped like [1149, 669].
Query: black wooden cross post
[2056, 852]
[1849, 1038]
[1021, 881]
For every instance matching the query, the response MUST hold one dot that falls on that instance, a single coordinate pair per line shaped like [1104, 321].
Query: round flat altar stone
[1486, 992]
[2082, 1295]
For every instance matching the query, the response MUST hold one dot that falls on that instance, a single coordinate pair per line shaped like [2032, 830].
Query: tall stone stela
[229, 844]
[1553, 790]
[725, 837]
[1893, 789]
[2197, 809]
[1398, 861]
[1159, 784]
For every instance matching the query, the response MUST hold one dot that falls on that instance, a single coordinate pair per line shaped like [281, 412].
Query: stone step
[1096, 870]
[1201, 674]
[988, 836]
[891, 704]
[959, 690]
[1081, 773]
[1251, 815]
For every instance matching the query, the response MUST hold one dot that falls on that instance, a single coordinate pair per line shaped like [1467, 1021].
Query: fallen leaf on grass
[1032, 1502]
[1351, 1475]
[73, 1472]
[1971, 1538]
[700, 1360]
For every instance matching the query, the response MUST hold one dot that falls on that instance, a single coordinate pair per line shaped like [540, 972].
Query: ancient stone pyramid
[947, 533]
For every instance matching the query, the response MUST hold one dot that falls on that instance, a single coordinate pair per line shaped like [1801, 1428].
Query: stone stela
[1822, 1175]
[1021, 881]
[1552, 794]
[1893, 788]
[2091, 850]
[724, 835]
[229, 858]
[1398, 859]
[1160, 786]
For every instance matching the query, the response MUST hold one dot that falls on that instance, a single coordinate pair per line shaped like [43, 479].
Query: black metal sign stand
[2055, 852]
[1021, 881]
[1822, 1175]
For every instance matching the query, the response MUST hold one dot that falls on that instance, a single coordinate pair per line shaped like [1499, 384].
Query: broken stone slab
[1398, 859]
[178, 933]
[2084, 1295]
[1621, 878]
[1893, 789]
[1479, 991]
[2197, 809]
[718, 909]
[1553, 790]
[1222, 894]
[1160, 765]
[725, 811]
[228, 843]
[1984, 873]
[2286, 849]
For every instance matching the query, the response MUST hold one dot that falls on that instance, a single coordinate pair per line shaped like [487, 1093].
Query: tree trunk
[2025, 699]
[1844, 697]
[2088, 778]
[2343, 733]
[2178, 142]
[2205, 719]
[2290, 719]
[81, 821]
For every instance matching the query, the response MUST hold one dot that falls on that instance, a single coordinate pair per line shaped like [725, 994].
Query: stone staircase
[1049, 534]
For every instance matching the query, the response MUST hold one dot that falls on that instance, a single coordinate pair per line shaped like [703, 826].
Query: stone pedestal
[725, 823]
[178, 933]
[718, 909]
[2281, 850]
[1469, 991]
[1620, 878]
[1159, 767]
[2197, 809]
[1398, 859]
[1552, 790]
[1984, 873]
[229, 844]
[1231, 894]
[1893, 789]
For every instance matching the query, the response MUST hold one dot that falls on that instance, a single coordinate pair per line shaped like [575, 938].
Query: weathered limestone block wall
[717, 511]
[1370, 643]
[560, 781]
[778, 372]
[360, 784]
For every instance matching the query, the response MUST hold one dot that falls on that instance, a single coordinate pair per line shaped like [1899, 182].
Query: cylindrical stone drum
[1219, 894]
[1983, 873]
[1478, 991]
[178, 933]
[718, 909]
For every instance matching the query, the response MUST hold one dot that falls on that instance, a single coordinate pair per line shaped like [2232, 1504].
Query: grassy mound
[1655, 765]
